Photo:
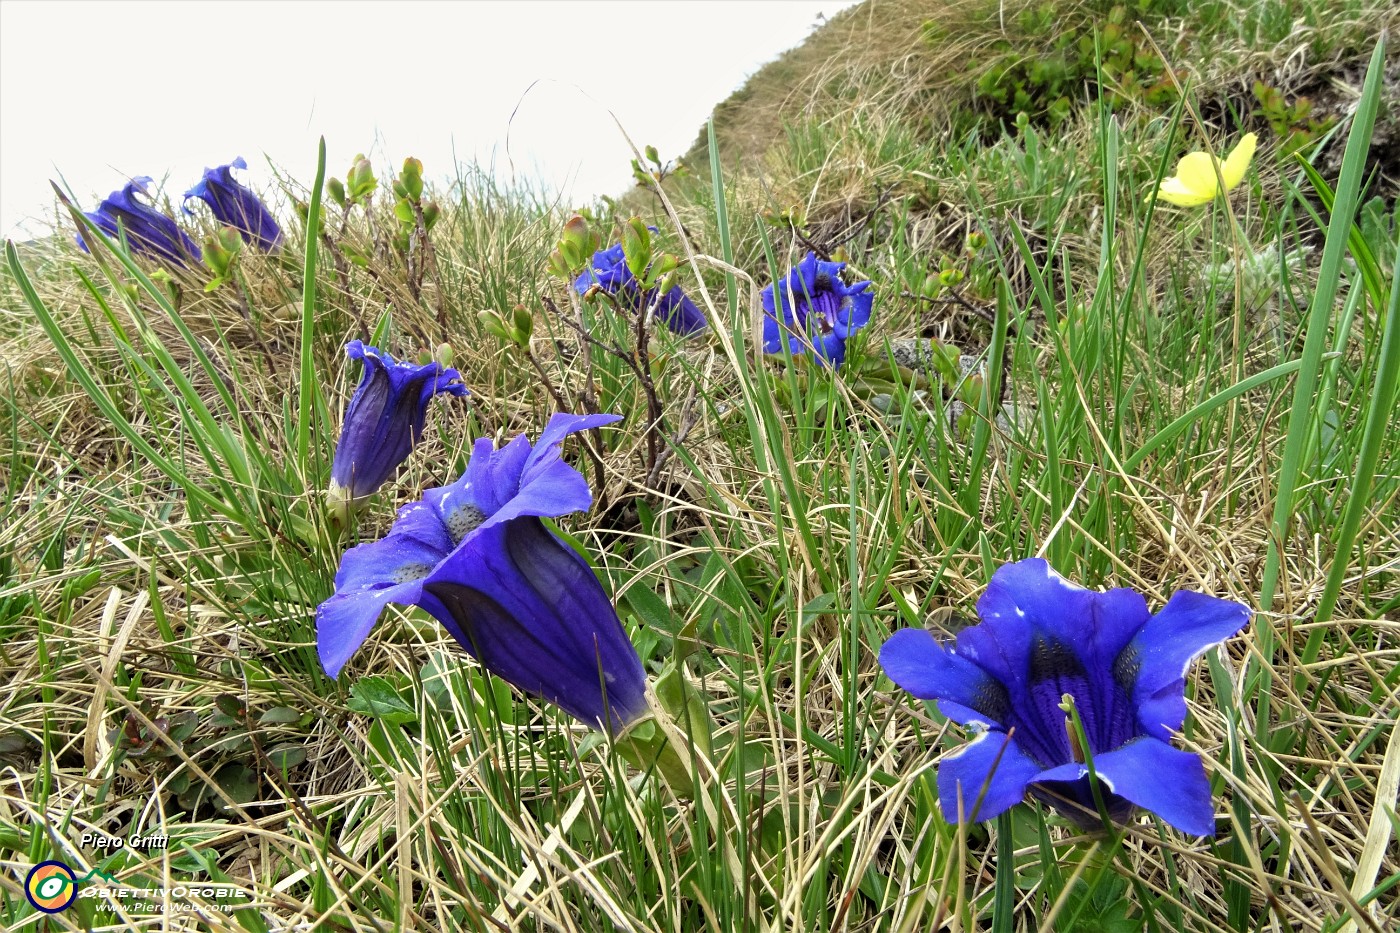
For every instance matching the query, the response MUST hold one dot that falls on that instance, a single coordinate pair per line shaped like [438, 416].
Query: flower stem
[670, 741]
[1080, 742]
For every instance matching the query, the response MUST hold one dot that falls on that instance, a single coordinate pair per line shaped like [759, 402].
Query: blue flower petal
[1153, 775]
[994, 769]
[517, 480]
[344, 621]
[772, 331]
[819, 310]
[532, 611]
[680, 314]
[236, 206]
[1157, 659]
[608, 270]
[385, 418]
[148, 231]
[915, 661]
[855, 311]
[833, 349]
[418, 539]
[375, 574]
[1043, 637]
[1029, 596]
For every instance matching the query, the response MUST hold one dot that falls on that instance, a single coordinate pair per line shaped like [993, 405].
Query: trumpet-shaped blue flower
[384, 420]
[818, 310]
[1042, 637]
[148, 231]
[235, 206]
[476, 556]
[608, 270]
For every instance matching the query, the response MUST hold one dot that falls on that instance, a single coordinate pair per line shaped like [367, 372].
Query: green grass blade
[309, 387]
[1302, 410]
[1380, 420]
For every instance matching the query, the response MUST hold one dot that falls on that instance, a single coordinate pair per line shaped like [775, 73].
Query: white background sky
[102, 91]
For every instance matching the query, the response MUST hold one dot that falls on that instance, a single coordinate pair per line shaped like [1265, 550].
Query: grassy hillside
[1057, 365]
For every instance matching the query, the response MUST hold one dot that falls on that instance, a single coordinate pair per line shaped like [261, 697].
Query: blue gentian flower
[608, 270]
[384, 420]
[476, 556]
[819, 311]
[1041, 637]
[235, 206]
[148, 231]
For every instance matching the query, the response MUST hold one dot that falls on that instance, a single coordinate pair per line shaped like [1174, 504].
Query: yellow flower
[1195, 182]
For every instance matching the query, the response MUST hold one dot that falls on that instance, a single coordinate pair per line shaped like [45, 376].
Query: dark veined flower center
[408, 573]
[462, 520]
[822, 309]
[1100, 697]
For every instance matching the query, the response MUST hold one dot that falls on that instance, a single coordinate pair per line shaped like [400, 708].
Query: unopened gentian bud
[229, 239]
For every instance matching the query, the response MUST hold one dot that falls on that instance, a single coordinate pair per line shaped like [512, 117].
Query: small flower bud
[559, 266]
[360, 183]
[524, 325]
[636, 246]
[412, 178]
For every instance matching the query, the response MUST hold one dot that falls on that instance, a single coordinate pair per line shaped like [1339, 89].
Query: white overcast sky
[102, 91]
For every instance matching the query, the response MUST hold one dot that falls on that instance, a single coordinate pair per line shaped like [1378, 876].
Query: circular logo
[51, 887]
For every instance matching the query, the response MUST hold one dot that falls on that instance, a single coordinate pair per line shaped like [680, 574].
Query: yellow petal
[1196, 171]
[1237, 162]
[1173, 191]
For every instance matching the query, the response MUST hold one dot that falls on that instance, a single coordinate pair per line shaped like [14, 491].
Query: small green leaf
[231, 706]
[361, 181]
[412, 178]
[377, 697]
[278, 715]
[286, 756]
[239, 782]
[636, 246]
